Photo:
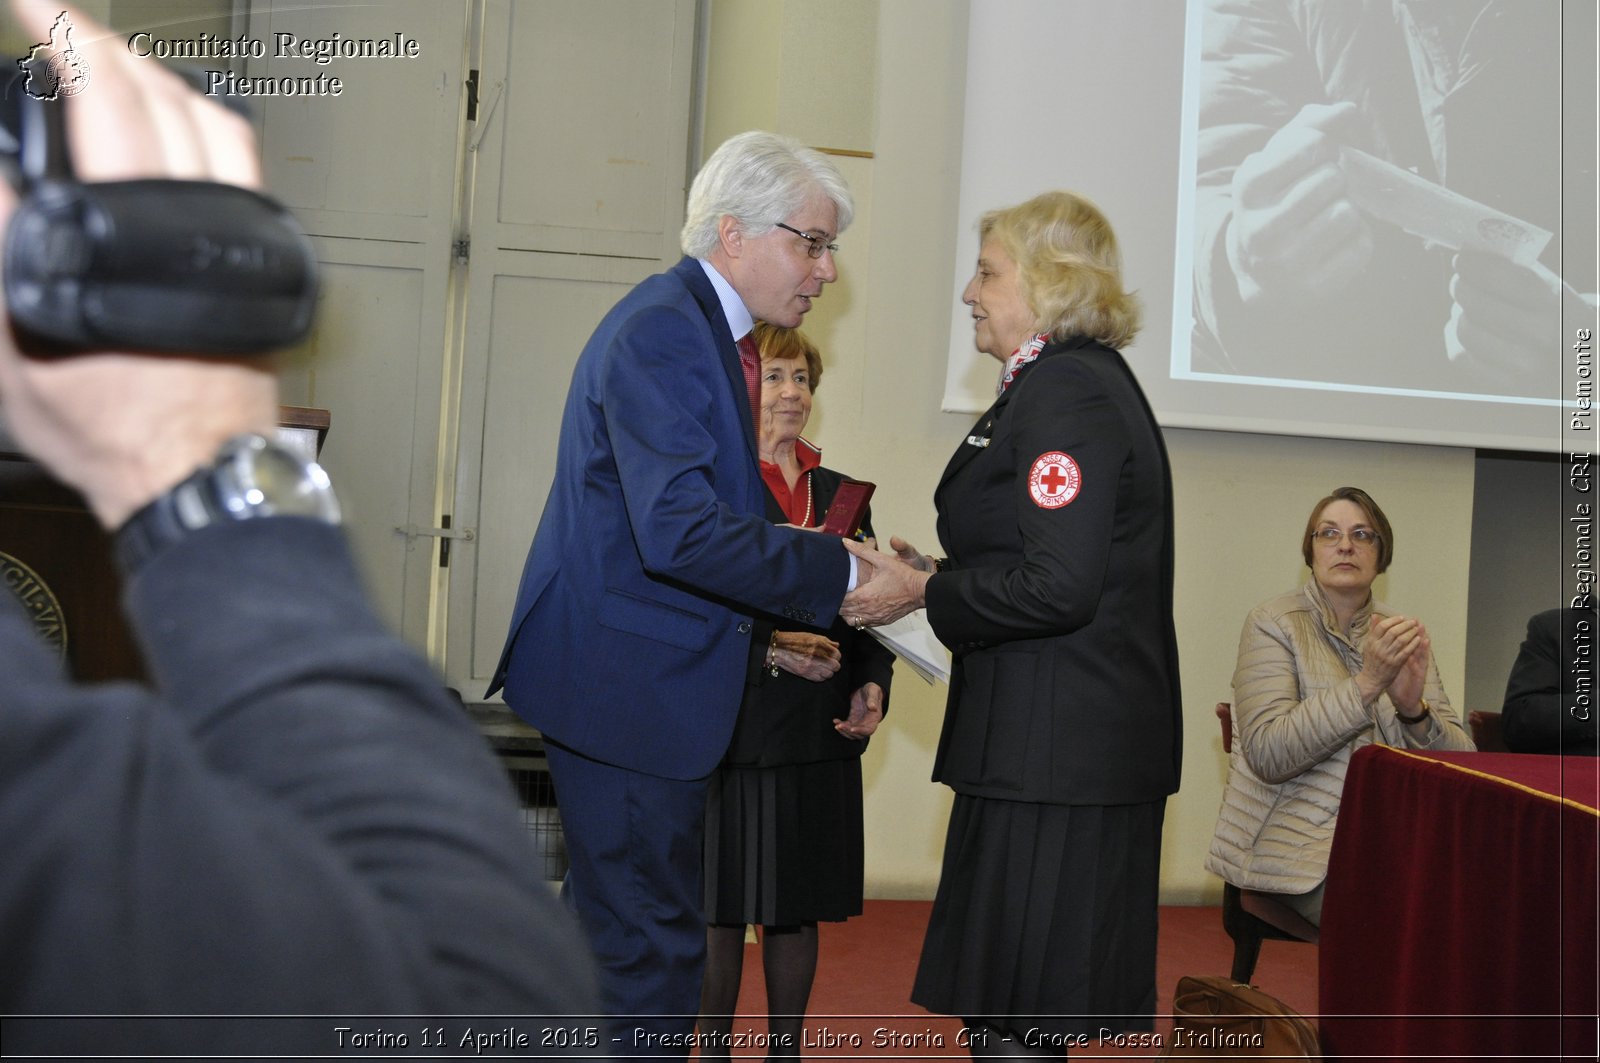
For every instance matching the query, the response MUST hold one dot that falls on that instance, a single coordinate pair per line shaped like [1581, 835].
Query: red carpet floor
[860, 1006]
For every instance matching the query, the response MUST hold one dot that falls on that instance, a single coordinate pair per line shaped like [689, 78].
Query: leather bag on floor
[1217, 1018]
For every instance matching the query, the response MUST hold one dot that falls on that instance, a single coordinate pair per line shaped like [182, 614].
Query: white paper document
[913, 641]
[1435, 213]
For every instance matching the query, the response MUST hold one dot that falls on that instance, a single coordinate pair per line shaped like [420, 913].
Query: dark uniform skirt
[1045, 917]
[784, 844]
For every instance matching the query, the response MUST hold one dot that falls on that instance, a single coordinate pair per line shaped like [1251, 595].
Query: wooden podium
[56, 559]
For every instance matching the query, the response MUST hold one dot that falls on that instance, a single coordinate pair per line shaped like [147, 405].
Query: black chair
[1486, 731]
[1252, 916]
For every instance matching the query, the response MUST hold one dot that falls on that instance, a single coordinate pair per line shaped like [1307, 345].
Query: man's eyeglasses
[1333, 536]
[815, 244]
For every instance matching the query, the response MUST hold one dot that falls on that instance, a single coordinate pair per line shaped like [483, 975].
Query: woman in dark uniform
[783, 818]
[1062, 732]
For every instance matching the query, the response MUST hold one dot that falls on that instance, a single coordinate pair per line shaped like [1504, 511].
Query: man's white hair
[760, 179]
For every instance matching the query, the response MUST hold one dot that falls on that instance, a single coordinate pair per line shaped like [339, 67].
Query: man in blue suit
[631, 632]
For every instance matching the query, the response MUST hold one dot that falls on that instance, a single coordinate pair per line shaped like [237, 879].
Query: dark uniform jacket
[1056, 514]
[786, 719]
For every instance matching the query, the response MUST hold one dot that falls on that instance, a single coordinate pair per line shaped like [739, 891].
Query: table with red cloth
[1460, 912]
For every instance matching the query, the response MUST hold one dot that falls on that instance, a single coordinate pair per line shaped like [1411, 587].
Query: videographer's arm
[298, 819]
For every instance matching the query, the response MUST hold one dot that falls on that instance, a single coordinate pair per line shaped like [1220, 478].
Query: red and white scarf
[1020, 357]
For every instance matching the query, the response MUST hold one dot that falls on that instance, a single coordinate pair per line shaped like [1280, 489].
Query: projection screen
[1367, 219]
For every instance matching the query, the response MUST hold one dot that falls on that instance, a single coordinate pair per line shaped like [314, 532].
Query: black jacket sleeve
[1542, 711]
[298, 819]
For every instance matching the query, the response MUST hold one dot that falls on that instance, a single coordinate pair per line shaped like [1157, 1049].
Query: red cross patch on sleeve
[1054, 480]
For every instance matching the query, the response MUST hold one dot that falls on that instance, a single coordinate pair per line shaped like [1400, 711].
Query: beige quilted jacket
[1297, 717]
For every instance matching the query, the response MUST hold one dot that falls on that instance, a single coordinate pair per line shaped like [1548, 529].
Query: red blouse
[796, 505]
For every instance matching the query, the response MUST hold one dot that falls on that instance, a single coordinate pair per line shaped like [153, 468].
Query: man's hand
[893, 589]
[1506, 319]
[120, 427]
[1295, 233]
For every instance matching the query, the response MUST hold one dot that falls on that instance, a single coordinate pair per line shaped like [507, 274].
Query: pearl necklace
[805, 521]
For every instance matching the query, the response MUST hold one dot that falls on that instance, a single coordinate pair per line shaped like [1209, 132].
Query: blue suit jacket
[632, 623]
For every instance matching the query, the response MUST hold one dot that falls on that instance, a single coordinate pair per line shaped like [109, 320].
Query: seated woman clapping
[1321, 672]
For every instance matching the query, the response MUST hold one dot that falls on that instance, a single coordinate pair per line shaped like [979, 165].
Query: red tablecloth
[1460, 913]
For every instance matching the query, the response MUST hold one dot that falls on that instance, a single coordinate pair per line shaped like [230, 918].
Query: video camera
[171, 266]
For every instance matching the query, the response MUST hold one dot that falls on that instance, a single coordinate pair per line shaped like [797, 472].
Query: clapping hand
[1406, 689]
[1386, 655]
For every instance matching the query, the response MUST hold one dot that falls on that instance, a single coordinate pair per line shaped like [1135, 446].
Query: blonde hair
[774, 342]
[1068, 267]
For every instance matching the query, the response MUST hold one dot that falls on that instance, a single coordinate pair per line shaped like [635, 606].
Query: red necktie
[750, 360]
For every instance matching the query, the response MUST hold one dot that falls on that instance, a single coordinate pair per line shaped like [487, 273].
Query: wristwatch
[251, 477]
[1422, 714]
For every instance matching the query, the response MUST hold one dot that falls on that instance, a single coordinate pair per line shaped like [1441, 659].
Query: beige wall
[1241, 500]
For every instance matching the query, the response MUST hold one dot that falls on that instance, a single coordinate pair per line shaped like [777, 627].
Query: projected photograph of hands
[1379, 196]
[1358, 219]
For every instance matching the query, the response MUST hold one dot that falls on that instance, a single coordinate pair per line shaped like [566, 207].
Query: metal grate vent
[531, 778]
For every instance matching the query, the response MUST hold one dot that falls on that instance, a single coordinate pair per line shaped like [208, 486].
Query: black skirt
[1045, 917]
[784, 844]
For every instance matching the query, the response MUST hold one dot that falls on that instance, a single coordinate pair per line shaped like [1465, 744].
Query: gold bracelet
[772, 656]
[1419, 717]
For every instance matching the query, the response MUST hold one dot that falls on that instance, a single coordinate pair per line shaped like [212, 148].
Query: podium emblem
[37, 601]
